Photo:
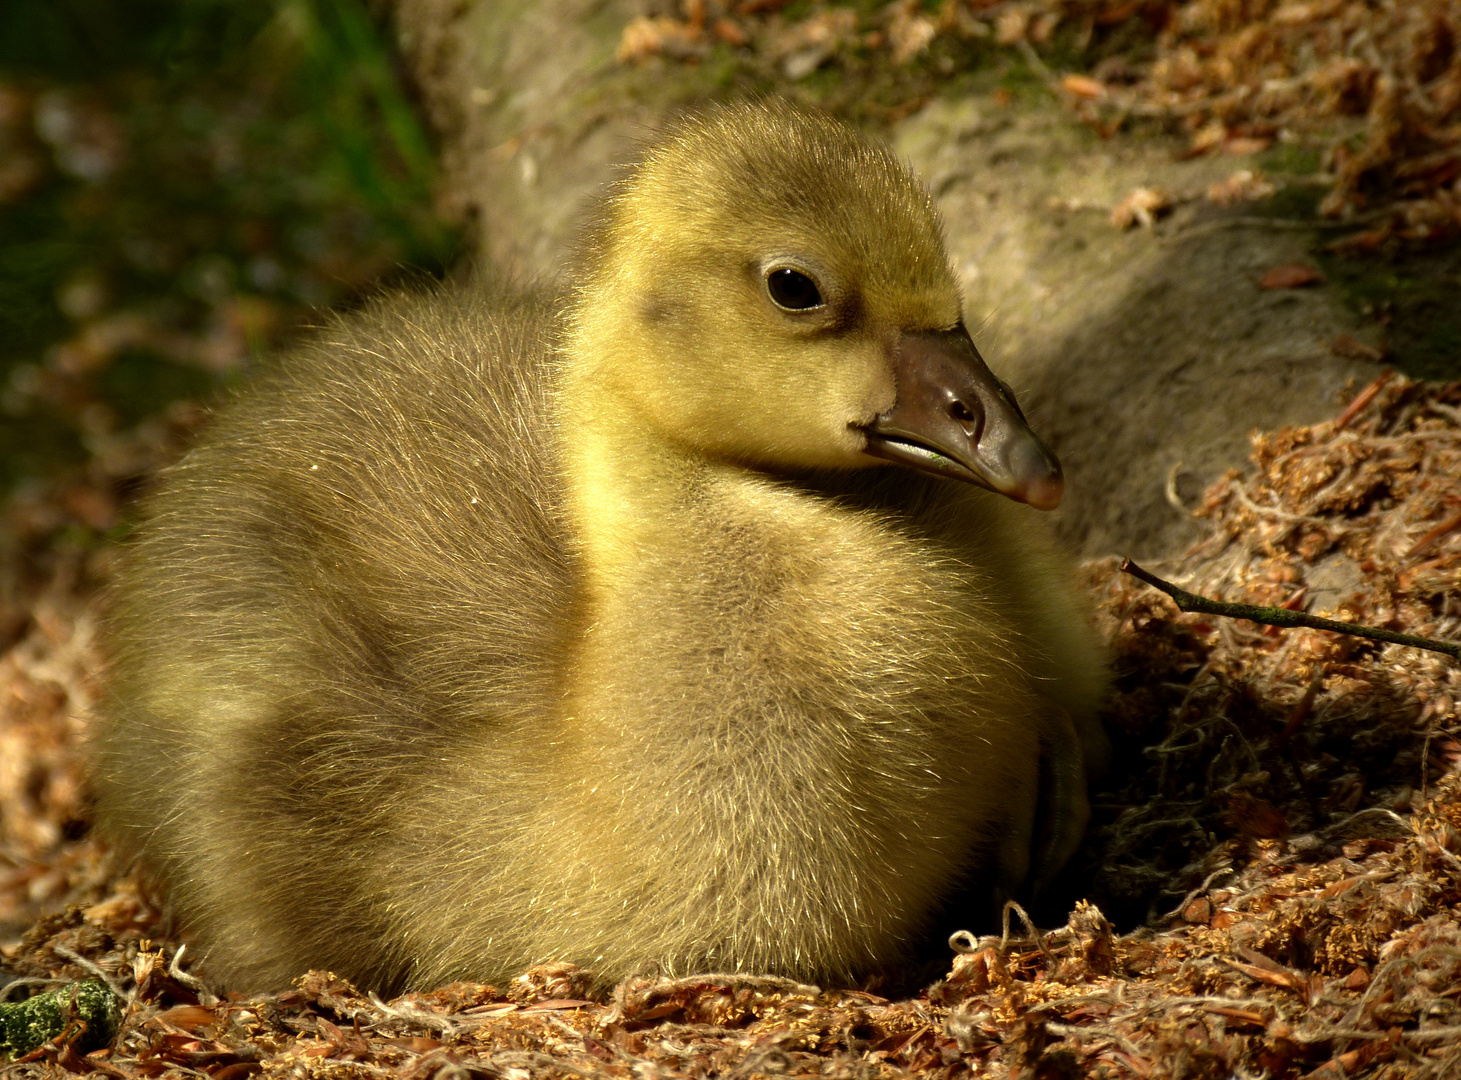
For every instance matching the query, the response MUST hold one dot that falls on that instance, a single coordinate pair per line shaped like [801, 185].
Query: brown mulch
[1371, 87]
[52, 567]
[1284, 834]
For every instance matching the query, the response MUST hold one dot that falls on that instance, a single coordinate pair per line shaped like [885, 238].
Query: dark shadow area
[1415, 300]
[1208, 768]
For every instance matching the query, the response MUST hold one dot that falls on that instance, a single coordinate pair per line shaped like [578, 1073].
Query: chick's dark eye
[793, 290]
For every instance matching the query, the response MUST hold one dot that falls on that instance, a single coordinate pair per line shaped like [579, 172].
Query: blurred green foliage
[182, 182]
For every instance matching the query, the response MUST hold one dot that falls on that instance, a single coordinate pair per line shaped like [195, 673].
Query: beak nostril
[964, 417]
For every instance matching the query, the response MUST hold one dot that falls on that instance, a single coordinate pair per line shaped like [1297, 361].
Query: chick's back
[360, 567]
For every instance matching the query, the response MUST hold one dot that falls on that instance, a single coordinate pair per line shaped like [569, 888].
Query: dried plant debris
[1271, 887]
[1378, 83]
[52, 563]
[1252, 734]
[1371, 87]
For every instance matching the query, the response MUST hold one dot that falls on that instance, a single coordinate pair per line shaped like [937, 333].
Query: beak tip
[1046, 493]
[1039, 479]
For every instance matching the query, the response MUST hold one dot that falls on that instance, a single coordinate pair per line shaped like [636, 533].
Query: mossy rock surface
[26, 1025]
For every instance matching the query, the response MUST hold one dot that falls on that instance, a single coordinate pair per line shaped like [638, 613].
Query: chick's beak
[953, 418]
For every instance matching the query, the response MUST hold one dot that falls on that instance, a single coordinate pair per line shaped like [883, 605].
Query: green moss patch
[88, 1009]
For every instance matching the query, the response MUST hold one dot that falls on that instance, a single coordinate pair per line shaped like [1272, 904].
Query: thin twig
[1364, 397]
[206, 997]
[1276, 616]
[1435, 534]
[21, 984]
[81, 961]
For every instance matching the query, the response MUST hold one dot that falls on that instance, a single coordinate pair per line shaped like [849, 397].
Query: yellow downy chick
[694, 620]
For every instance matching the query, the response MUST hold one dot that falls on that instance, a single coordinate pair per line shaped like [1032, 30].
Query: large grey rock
[531, 111]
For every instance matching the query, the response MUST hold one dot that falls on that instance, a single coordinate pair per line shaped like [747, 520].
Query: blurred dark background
[183, 183]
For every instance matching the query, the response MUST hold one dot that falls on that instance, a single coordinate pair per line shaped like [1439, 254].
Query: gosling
[687, 618]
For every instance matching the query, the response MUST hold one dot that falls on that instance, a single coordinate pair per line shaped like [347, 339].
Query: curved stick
[1275, 616]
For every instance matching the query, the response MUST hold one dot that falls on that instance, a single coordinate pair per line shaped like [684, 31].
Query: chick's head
[748, 283]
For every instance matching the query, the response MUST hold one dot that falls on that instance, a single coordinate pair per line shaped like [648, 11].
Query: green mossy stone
[25, 1025]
